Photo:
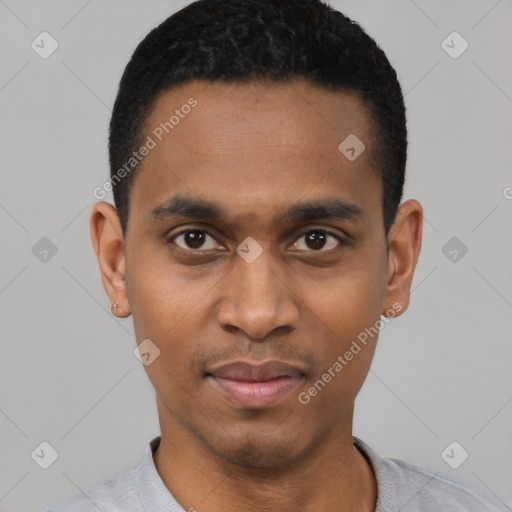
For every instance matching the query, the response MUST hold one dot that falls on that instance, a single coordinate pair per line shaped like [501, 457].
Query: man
[257, 154]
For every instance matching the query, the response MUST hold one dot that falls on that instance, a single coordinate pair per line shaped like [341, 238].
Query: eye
[318, 240]
[193, 239]
[314, 240]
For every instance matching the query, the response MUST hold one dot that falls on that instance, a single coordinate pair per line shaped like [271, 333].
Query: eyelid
[343, 240]
[170, 238]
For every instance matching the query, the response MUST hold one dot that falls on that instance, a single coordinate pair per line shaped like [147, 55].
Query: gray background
[69, 377]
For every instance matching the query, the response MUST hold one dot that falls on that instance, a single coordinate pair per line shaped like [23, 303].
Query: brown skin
[255, 149]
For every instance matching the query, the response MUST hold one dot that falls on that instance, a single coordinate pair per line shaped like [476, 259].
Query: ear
[404, 239]
[107, 240]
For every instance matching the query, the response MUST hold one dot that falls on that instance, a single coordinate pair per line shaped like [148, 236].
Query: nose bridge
[256, 277]
[257, 301]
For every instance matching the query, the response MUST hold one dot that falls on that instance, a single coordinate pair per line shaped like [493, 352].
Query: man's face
[254, 152]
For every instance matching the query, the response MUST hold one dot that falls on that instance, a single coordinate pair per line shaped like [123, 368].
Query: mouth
[251, 386]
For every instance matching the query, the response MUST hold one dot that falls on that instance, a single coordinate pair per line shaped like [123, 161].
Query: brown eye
[318, 240]
[194, 239]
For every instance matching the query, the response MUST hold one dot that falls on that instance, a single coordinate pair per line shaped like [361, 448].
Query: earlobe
[107, 240]
[404, 240]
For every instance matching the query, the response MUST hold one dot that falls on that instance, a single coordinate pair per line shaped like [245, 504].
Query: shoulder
[433, 491]
[402, 485]
[117, 494]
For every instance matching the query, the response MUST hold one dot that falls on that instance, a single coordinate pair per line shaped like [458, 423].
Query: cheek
[168, 308]
[162, 295]
[346, 310]
[348, 301]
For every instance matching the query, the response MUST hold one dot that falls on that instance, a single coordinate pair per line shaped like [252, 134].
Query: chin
[257, 450]
[257, 457]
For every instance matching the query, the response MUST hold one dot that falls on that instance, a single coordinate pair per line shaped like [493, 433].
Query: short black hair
[236, 41]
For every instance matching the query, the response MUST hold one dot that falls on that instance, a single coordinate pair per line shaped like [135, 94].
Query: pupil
[194, 239]
[315, 240]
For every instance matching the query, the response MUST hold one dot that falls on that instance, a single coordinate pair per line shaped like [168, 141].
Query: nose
[257, 300]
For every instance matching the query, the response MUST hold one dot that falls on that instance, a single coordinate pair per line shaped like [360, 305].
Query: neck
[332, 476]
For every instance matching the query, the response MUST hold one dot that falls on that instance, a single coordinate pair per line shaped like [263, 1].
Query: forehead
[257, 145]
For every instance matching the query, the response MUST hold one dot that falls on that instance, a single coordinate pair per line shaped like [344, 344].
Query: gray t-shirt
[401, 487]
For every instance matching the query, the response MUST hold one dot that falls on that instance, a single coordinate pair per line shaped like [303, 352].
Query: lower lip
[257, 395]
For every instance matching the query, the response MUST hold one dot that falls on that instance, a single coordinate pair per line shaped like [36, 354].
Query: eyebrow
[201, 209]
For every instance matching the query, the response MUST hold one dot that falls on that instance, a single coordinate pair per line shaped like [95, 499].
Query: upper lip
[249, 372]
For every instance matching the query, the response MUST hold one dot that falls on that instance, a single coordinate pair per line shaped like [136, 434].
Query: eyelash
[305, 233]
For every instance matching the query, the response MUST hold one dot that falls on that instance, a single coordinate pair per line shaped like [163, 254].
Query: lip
[256, 386]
